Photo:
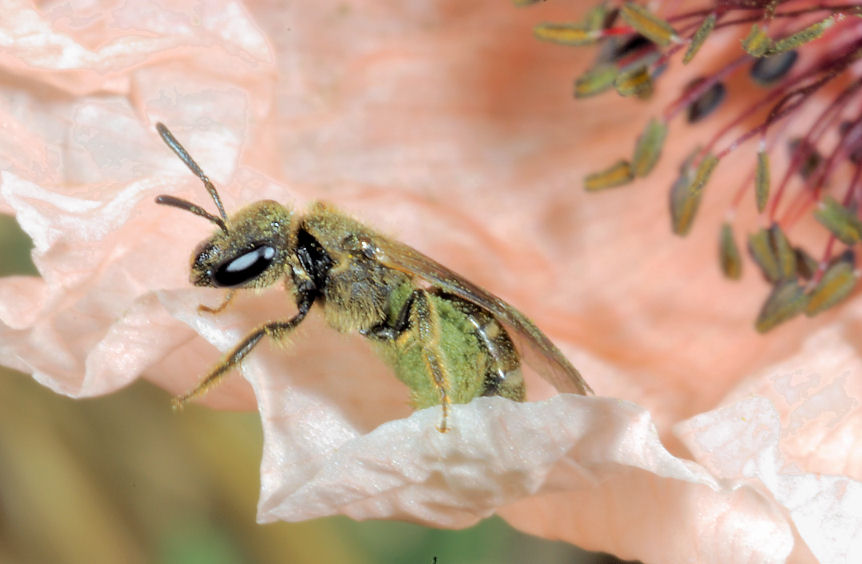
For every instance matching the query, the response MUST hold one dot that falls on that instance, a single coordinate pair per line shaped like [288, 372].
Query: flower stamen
[774, 40]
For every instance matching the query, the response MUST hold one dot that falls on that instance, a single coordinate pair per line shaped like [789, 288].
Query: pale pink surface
[448, 126]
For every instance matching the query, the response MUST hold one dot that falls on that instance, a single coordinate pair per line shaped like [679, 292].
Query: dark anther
[768, 70]
[707, 102]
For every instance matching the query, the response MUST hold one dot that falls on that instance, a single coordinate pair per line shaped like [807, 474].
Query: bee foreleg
[224, 304]
[425, 321]
[274, 329]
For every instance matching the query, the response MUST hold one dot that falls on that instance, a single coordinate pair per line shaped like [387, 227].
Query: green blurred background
[123, 479]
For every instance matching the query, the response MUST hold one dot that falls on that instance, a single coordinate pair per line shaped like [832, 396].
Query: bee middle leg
[418, 314]
[274, 329]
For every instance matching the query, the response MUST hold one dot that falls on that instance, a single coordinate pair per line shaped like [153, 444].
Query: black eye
[244, 267]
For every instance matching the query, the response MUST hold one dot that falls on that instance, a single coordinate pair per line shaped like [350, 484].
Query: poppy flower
[450, 127]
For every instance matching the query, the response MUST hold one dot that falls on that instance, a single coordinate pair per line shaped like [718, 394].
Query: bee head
[250, 253]
[250, 248]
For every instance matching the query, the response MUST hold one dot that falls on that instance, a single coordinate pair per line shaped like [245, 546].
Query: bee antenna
[188, 206]
[184, 156]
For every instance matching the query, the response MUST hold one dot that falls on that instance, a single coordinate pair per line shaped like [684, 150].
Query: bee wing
[535, 348]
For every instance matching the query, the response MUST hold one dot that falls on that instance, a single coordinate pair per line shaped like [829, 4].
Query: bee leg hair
[274, 329]
[425, 322]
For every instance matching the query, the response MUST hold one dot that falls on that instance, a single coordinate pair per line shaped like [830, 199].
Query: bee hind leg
[274, 329]
[427, 326]
[418, 316]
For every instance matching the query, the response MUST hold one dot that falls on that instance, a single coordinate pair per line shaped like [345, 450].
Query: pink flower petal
[796, 431]
[601, 480]
[447, 125]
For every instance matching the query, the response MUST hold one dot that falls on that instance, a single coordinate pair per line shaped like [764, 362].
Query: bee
[447, 339]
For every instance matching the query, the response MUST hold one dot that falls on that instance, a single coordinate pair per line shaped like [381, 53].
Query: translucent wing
[535, 348]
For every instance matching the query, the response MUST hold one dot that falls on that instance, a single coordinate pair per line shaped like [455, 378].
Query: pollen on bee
[789, 78]
[492, 329]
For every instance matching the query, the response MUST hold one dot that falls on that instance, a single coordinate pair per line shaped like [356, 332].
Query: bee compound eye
[244, 267]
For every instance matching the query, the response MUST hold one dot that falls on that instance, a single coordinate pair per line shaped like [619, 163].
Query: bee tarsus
[276, 330]
[221, 307]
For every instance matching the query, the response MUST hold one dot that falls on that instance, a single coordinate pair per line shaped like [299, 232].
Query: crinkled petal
[588, 470]
[795, 431]
[77, 174]
[96, 46]
[742, 442]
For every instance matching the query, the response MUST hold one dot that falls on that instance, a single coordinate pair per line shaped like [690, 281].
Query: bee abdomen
[503, 370]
